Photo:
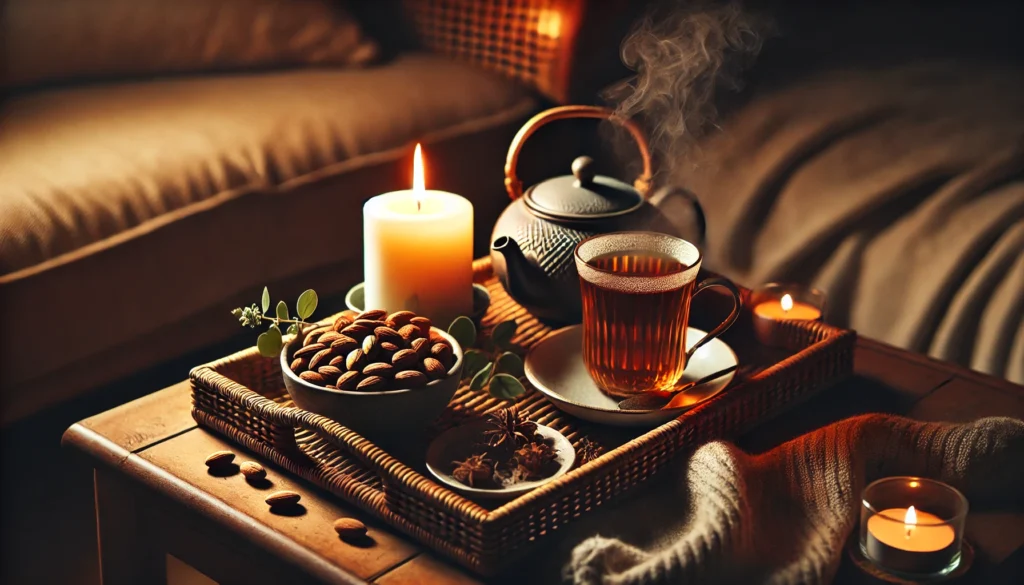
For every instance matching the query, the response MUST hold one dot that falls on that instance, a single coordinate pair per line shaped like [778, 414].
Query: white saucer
[458, 443]
[555, 367]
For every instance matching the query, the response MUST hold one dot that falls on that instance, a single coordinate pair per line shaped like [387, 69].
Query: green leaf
[282, 310]
[473, 361]
[306, 304]
[269, 342]
[293, 329]
[503, 334]
[506, 387]
[236, 312]
[266, 300]
[481, 377]
[510, 363]
[464, 331]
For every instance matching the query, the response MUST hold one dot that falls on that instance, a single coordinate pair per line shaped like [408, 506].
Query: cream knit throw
[784, 516]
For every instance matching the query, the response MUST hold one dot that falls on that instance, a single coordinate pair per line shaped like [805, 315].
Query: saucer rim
[533, 379]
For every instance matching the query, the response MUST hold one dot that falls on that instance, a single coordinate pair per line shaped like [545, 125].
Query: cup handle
[727, 323]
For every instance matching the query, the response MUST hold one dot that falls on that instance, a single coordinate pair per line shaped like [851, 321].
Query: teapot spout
[522, 279]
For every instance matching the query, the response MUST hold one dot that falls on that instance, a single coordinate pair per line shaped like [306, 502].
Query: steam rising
[682, 55]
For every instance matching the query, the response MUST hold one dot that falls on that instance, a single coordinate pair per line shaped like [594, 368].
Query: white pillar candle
[418, 251]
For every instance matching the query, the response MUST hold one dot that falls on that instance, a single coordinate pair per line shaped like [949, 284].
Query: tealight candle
[418, 251]
[773, 303]
[912, 526]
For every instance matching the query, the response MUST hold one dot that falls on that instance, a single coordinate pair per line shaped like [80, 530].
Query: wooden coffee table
[154, 496]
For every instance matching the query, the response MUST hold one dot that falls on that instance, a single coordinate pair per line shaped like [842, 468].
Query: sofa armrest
[529, 40]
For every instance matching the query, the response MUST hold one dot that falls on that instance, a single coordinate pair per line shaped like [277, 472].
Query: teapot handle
[515, 187]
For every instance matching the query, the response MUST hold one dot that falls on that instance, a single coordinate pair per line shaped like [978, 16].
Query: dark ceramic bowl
[385, 413]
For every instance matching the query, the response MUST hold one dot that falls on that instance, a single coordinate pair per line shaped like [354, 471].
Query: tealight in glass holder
[912, 527]
[774, 303]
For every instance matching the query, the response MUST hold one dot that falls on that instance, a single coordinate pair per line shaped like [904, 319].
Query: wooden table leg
[128, 555]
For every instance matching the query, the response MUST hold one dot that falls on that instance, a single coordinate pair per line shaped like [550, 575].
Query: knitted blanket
[784, 516]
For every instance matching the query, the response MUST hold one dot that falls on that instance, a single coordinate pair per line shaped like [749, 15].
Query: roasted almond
[423, 323]
[433, 368]
[341, 322]
[410, 332]
[313, 377]
[436, 337]
[355, 360]
[391, 347]
[399, 319]
[313, 335]
[442, 352]
[349, 314]
[410, 379]
[370, 346]
[379, 369]
[343, 344]
[387, 334]
[404, 359]
[283, 498]
[372, 314]
[421, 346]
[299, 364]
[371, 384]
[320, 358]
[349, 528]
[220, 459]
[329, 372]
[252, 470]
[357, 331]
[337, 361]
[371, 323]
[309, 350]
[349, 380]
[328, 338]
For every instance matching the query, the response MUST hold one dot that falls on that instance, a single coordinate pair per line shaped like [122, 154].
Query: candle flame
[419, 184]
[787, 303]
[910, 520]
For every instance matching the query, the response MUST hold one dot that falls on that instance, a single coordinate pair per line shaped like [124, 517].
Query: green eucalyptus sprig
[270, 342]
[493, 366]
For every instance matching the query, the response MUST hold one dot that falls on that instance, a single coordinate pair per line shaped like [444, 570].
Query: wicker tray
[242, 396]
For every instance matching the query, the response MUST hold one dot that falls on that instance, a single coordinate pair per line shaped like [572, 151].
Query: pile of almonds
[373, 351]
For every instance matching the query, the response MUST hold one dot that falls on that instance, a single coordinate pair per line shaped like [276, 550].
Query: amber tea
[636, 289]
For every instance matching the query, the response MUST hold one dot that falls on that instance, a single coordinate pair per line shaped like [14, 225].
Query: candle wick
[419, 205]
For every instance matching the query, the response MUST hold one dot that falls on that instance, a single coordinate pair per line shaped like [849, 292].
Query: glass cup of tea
[636, 289]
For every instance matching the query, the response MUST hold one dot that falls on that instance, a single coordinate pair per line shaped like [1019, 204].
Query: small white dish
[460, 442]
[555, 367]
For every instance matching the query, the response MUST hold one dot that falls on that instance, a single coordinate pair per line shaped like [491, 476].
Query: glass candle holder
[912, 527]
[774, 303]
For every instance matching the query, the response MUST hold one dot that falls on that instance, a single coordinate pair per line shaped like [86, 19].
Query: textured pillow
[46, 41]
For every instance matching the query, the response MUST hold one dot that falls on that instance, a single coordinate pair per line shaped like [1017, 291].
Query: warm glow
[419, 183]
[910, 520]
[549, 23]
[914, 484]
[787, 303]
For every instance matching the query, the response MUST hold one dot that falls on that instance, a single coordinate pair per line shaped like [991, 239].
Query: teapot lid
[584, 195]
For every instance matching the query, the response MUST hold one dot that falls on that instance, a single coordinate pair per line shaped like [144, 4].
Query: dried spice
[535, 459]
[587, 451]
[474, 471]
[509, 429]
[513, 452]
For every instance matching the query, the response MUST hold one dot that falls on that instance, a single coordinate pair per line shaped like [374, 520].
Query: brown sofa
[135, 211]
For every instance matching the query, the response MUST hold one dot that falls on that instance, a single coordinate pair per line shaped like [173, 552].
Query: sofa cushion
[62, 40]
[127, 209]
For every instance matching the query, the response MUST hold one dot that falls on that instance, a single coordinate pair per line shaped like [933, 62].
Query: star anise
[535, 459]
[476, 469]
[509, 430]
[587, 451]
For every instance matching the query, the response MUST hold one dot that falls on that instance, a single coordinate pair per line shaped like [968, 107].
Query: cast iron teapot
[535, 237]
